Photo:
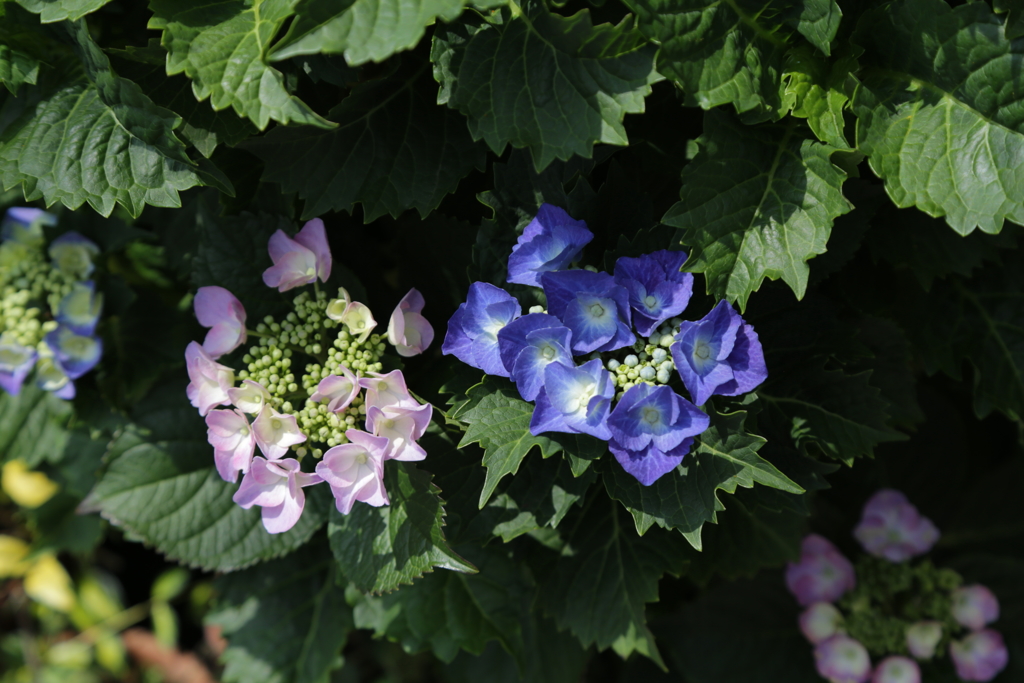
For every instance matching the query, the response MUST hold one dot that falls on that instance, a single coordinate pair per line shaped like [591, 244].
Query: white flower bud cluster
[650, 361]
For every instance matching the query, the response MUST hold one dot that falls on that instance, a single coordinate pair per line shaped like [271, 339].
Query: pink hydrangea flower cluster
[891, 528]
[362, 416]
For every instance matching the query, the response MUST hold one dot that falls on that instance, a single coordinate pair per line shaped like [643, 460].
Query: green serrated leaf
[719, 53]
[94, 138]
[939, 111]
[33, 425]
[599, 593]
[579, 80]
[817, 20]
[362, 30]
[16, 68]
[61, 10]
[756, 203]
[393, 149]
[222, 46]
[500, 422]
[814, 92]
[842, 414]
[285, 621]
[1014, 17]
[724, 457]
[450, 611]
[162, 489]
[379, 549]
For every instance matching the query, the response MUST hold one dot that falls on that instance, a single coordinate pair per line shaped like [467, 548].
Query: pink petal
[216, 304]
[313, 237]
[413, 301]
[279, 245]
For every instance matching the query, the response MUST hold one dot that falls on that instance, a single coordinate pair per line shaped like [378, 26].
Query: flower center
[650, 301]
[702, 351]
[311, 272]
[244, 431]
[76, 346]
[651, 416]
[387, 423]
[275, 424]
[597, 310]
[361, 325]
[361, 458]
[383, 386]
[548, 352]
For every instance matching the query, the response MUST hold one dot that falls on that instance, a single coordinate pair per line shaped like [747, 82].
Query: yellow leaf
[27, 489]
[47, 582]
[13, 552]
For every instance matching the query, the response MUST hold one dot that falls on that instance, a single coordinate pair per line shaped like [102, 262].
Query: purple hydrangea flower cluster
[342, 409]
[892, 529]
[49, 309]
[628, 403]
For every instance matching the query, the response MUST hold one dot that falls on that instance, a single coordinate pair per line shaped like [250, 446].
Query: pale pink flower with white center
[301, 260]
[276, 486]
[358, 318]
[980, 656]
[249, 397]
[841, 659]
[223, 313]
[276, 432]
[210, 380]
[355, 471]
[897, 670]
[408, 330]
[387, 390]
[923, 637]
[402, 427]
[338, 390]
[336, 307]
[229, 433]
[974, 606]
[820, 621]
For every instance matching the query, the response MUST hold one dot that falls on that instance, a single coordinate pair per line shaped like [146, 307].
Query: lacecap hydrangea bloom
[886, 607]
[312, 386]
[49, 309]
[600, 359]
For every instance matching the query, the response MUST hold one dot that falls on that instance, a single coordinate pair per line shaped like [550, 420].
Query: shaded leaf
[814, 91]
[362, 30]
[817, 20]
[61, 10]
[285, 621]
[554, 84]
[939, 111]
[756, 203]
[380, 548]
[222, 46]
[393, 149]
[16, 68]
[33, 425]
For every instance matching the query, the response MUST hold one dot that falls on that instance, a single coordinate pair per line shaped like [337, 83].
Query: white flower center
[650, 301]
[361, 458]
[548, 352]
[387, 423]
[702, 350]
[597, 310]
[275, 424]
[651, 416]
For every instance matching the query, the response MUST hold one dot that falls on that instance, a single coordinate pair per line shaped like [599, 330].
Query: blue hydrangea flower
[657, 290]
[551, 241]
[592, 306]
[74, 354]
[719, 354]
[473, 330]
[24, 225]
[50, 378]
[574, 400]
[652, 429]
[16, 362]
[72, 254]
[80, 309]
[530, 344]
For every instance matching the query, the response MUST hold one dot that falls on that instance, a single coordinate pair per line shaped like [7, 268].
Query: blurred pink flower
[822, 574]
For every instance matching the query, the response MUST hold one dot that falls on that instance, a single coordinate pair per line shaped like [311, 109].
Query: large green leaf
[500, 422]
[393, 149]
[33, 425]
[60, 10]
[724, 457]
[719, 53]
[16, 68]
[600, 589]
[222, 46]
[162, 489]
[285, 621]
[817, 20]
[379, 549]
[362, 30]
[814, 91]
[554, 84]
[939, 111]
[756, 202]
[451, 611]
[93, 138]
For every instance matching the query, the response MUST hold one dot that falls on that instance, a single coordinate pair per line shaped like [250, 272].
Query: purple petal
[313, 237]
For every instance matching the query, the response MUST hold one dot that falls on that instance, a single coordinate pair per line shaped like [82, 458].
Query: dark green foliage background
[847, 173]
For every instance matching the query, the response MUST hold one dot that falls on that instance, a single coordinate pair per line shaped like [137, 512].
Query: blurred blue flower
[80, 309]
[592, 306]
[72, 254]
[574, 400]
[530, 344]
[652, 428]
[551, 241]
[24, 225]
[473, 330]
[718, 354]
[74, 354]
[16, 362]
[657, 290]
